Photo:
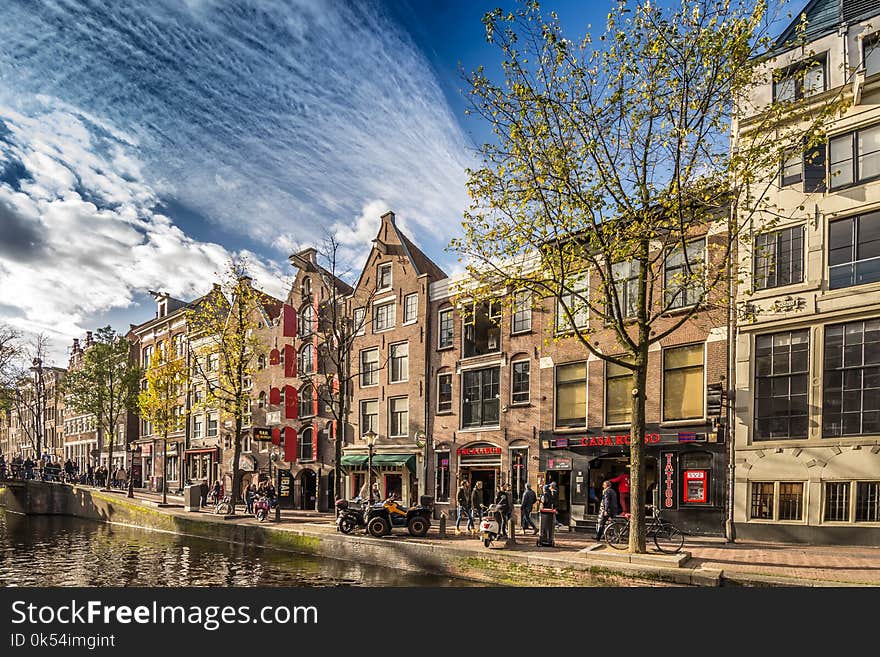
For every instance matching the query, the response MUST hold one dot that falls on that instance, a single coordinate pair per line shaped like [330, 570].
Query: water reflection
[62, 551]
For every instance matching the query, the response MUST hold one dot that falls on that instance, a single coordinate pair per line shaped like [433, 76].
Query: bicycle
[667, 537]
[223, 506]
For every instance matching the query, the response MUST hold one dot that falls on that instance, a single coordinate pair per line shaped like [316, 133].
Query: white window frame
[360, 321]
[440, 314]
[391, 433]
[391, 352]
[362, 371]
[451, 385]
[361, 416]
[513, 364]
[415, 317]
[384, 266]
[391, 316]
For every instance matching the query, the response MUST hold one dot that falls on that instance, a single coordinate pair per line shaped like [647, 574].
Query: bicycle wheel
[669, 539]
[617, 536]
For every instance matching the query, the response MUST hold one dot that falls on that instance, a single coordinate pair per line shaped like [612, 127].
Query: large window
[398, 417]
[781, 385]
[522, 312]
[868, 501]
[399, 357]
[307, 400]
[306, 443]
[370, 367]
[800, 80]
[626, 287]
[684, 274]
[777, 500]
[307, 359]
[384, 316]
[855, 157]
[442, 474]
[480, 397]
[410, 308]
[571, 395]
[854, 251]
[306, 320]
[836, 507]
[573, 302]
[851, 401]
[369, 416]
[447, 329]
[444, 392]
[360, 324]
[482, 328]
[762, 506]
[519, 382]
[683, 389]
[779, 258]
[618, 394]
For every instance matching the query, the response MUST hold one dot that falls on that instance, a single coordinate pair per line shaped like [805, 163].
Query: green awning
[354, 459]
[408, 460]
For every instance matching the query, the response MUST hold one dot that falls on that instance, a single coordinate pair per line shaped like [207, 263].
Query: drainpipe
[729, 526]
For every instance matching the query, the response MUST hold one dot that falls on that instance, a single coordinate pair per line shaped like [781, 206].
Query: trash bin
[548, 525]
[191, 497]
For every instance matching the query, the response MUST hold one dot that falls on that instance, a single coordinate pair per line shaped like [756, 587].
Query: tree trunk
[236, 456]
[637, 456]
[109, 461]
[165, 468]
[339, 439]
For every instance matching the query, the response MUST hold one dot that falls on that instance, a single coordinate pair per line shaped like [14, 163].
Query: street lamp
[371, 440]
[130, 447]
[421, 439]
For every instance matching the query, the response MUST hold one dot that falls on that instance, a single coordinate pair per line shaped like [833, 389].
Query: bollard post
[441, 528]
[511, 530]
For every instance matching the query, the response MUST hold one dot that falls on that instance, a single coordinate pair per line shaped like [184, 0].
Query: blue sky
[141, 144]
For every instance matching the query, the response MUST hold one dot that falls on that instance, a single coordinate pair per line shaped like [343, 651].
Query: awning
[349, 460]
[360, 460]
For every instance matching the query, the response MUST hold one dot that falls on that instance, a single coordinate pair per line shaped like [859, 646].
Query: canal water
[64, 551]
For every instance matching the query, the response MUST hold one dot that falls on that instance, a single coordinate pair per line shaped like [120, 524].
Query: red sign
[609, 441]
[474, 451]
[669, 491]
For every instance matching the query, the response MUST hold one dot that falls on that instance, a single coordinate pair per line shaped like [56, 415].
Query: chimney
[88, 338]
[76, 345]
[389, 217]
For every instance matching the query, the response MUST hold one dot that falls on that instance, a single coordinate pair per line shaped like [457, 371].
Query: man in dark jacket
[477, 503]
[607, 508]
[503, 507]
[464, 508]
[526, 505]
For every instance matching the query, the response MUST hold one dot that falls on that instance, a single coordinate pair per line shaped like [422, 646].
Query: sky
[144, 144]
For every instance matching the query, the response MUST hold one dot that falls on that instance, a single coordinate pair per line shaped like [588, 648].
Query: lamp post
[371, 440]
[275, 457]
[130, 447]
[421, 439]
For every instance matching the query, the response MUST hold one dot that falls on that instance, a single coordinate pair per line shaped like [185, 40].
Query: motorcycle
[490, 528]
[349, 516]
[261, 508]
[382, 517]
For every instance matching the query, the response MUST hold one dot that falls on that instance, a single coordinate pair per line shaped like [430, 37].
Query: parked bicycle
[223, 506]
[667, 537]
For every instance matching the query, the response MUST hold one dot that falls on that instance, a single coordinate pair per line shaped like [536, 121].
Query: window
[780, 500]
[247, 414]
[383, 317]
[855, 157]
[781, 385]
[801, 80]
[851, 399]
[522, 312]
[871, 54]
[398, 417]
[261, 399]
[792, 167]
[261, 362]
[306, 362]
[442, 476]
[571, 395]
[305, 443]
[247, 382]
[444, 392]
[519, 382]
[446, 329]
[307, 401]
[306, 320]
[212, 424]
[868, 501]
[854, 251]
[410, 308]
[684, 275]
[399, 356]
[213, 362]
[482, 329]
[626, 287]
[618, 394]
[172, 465]
[573, 301]
[519, 472]
[360, 316]
[147, 356]
[791, 500]
[198, 422]
[762, 500]
[683, 388]
[480, 397]
[306, 287]
[177, 341]
[369, 416]
[836, 501]
[383, 277]
[370, 367]
[779, 258]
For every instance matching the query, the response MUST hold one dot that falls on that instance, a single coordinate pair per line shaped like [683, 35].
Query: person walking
[2, 467]
[249, 496]
[463, 498]
[477, 505]
[607, 508]
[503, 507]
[28, 468]
[121, 477]
[215, 492]
[377, 494]
[527, 503]
[622, 482]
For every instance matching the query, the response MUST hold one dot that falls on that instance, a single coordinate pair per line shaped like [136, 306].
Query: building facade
[808, 345]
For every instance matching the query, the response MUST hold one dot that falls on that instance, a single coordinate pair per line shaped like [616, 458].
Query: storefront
[685, 474]
[202, 464]
[395, 473]
[480, 462]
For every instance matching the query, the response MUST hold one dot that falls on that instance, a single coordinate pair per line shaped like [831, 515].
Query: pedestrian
[90, 475]
[503, 508]
[463, 498]
[377, 493]
[249, 496]
[526, 505]
[121, 477]
[622, 482]
[215, 493]
[28, 468]
[554, 491]
[607, 508]
[2, 467]
[477, 505]
[203, 492]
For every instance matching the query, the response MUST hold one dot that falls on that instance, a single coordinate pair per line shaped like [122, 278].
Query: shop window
[836, 501]
[446, 328]
[442, 476]
[482, 329]
[399, 366]
[761, 507]
[781, 385]
[684, 275]
[618, 394]
[370, 367]
[369, 416]
[522, 312]
[851, 398]
[571, 395]
[868, 501]
[480, 397]
[683, 388]
[444, 392]
[519, 472]
[410, 308]
[854, 251]
[519, 383]
[398, 417]
[779, 258]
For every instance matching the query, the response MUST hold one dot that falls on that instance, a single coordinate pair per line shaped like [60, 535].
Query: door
[394, 484]
[308, 489]
[488, 477]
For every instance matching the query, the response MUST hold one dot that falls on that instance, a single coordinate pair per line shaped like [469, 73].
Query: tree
[609, 157]
[224, 348]
[105, 385]
[22, 386]
[159, 402]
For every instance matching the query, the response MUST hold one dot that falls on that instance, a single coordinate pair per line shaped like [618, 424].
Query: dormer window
[800, 80]
[163, 309]
[871, 54]
[383, 279]
[306, 287]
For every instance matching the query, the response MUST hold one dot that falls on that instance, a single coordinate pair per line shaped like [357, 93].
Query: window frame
[482, 402]
[663, 384]
[415, 317]
[854, 244]
[522, 304]
[556, 423]
[306, 403]
[449, 408]
[772, 376]
[391, 416]
[788, 155]
[528, 377]
[846, 374]
[686, 264]
[380, 267]
[306, 356]
[304, 447]
[630, 376]
[442, 480]
[441, 313]
[796, 69]
[359, 325]
[580, 287]
[776, 504]
[362, 373]
[873, 40]
[391, 361]
[362, 426]
[390, 316]
[854, 158]
[777, 236]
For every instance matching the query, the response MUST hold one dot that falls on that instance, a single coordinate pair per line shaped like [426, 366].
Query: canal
[65, 551]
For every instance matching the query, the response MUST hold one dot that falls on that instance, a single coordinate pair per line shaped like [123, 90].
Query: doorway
[563, 486]
[487, 476]
[308, 489]
[393, 485]
[610, 467]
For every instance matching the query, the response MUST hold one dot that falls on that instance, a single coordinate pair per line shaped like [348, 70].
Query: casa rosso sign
[474, 451]
[599, 441]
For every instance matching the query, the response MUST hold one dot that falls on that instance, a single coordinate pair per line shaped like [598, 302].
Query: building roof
[824, 16]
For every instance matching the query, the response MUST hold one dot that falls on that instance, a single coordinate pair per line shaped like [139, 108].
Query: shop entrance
[563, 485]
[393, 485]
[308, 489]
[487, 476]
[610, 467]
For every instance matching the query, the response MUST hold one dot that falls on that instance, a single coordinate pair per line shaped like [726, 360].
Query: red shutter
[289, 360]
[274, 396]
[290, 444]
[315, 441]
[274, 357]
[288, 321]
[291, 407]
[276, 436]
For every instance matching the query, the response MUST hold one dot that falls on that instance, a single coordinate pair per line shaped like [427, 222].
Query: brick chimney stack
[88, 338]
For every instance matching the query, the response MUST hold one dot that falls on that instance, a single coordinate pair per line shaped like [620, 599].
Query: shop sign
[262, 434]
[668, 497]
[559, 464]
[478, 451]
[285, 483]
[600, 441]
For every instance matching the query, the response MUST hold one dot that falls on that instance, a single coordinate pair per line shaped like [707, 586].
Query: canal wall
[500, 567]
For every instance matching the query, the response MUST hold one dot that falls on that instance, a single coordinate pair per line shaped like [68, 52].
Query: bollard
[441, 528]
[511, 530]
